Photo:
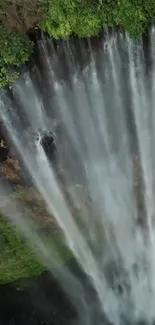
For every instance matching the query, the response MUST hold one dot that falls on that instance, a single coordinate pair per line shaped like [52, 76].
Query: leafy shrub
[65, 17]
[14, 51]
[131, 16]
[7, 77]
[88, 23]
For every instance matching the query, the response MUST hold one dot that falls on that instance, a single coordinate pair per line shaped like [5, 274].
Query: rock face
[9, 164]
[20, 17]
[4, 149]
[11, 168]
[138, 189]
[40, 302]
[16, 259]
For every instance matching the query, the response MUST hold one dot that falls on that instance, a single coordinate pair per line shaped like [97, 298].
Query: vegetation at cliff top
[60, 19]
[14, 51]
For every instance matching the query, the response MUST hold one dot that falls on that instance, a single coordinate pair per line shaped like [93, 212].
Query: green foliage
[149, 7]
[88, 22]
[87, 17]
[14, 51]
[20, 194]
[18, 261]
[66, 17]
[7, 76]
[131, 16]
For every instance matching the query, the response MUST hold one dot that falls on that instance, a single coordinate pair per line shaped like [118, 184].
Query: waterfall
[95, 106]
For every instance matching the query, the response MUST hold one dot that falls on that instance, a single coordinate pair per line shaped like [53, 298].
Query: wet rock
[48, 142]
[138, 190]
[11, 168]
[4, 150]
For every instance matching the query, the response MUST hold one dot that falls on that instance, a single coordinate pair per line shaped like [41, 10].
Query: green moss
[18, 261]
[20, 194]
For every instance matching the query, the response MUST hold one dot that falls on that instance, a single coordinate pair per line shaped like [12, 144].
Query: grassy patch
[18, 261]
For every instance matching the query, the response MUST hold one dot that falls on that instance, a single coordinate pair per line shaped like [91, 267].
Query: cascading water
[77, 131]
